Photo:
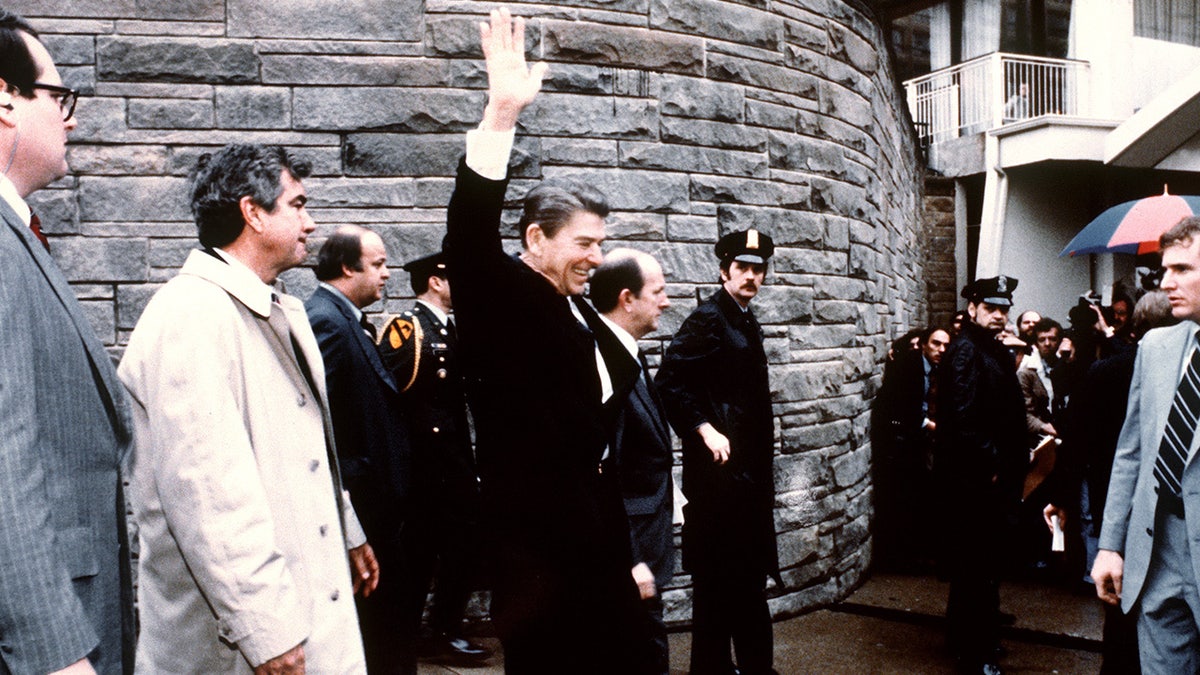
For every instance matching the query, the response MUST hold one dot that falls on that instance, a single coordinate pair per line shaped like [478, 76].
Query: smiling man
[562, 596]
[237, 494]
[716, 392]
[1147, 562]
[980, 457]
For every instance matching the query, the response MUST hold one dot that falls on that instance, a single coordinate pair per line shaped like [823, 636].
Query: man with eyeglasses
[65, 596]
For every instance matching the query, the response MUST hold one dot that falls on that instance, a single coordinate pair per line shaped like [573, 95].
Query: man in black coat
[372, 445]
[715, 389]
[980, 456]
[630, 292]
[903, 421]
[562, 595]
[419, 348]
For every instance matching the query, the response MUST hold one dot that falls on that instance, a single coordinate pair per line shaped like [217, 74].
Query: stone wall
[696, 117]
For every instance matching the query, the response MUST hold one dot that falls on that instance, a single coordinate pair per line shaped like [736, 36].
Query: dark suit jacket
[715, 371]
[559, 541]
[642, 452]
[65, 427]
[372, 443]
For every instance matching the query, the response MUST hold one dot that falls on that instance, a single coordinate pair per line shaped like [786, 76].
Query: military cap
[994, 291]
[430, 265]
[748, 246]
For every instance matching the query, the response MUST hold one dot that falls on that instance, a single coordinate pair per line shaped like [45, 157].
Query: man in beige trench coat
[243, 525]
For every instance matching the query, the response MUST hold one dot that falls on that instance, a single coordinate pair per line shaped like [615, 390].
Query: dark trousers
[659, 659]
[731, 607]
[382, 616]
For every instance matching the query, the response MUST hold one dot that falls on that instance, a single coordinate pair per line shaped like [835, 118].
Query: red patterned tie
[35, 224]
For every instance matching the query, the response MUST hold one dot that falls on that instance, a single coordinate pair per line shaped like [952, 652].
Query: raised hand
[512, 84]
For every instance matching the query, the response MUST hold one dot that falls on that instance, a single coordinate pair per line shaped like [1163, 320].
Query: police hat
[994, 291]
[749, 246]
[430, 265]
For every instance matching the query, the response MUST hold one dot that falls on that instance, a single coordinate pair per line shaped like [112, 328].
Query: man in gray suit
[1145, 562]
[65, 598]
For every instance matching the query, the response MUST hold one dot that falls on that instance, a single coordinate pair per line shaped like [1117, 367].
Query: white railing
[993, 90]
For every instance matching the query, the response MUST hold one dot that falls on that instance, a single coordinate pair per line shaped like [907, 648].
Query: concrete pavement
[893, 624]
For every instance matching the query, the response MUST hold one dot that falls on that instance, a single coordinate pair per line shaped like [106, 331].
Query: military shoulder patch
[400, 348]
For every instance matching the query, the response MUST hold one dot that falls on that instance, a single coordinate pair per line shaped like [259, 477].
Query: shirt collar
[441, 316]
[623, 335]
[343, 299]
[8, 192]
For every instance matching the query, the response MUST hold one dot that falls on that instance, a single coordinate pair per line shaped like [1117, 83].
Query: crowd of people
[995, 443]
[300, 478]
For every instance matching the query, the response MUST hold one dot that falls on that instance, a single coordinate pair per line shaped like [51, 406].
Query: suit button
[314, 465]
[301, 400]
[437, 430]
[323, 529]
[441, 373]
[334, 596]
[1149, 532]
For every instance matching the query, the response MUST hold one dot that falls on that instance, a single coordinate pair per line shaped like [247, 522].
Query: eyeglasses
[65, 95]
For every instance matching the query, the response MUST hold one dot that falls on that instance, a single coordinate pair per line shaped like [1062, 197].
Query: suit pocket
[77, 549]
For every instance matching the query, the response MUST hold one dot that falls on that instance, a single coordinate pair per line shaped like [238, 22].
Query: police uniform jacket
[421, 351]
[715, 371]
[981, 431]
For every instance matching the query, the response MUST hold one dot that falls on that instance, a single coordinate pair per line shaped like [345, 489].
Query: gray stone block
[403, 154]
[802, 153]
[717, 19]
[57, 210]
[373, 192]
[723, 189]
[579, 151]
[181, 10]
[71, 50]
[117, 160]
[79, 78]
[170, 252]
[632, 190]
[71, 8]
[358, 20]
[755, 74]
[142, 198]
[177, 60]
[692, 228]
[458, 36]
[170, 114]
[101, 260]
[254, 107]
[576, 42]
[348, 70]
[787, 227]
[637, 155]
[763, 114]
[594, 116]
[695, 97]
[394, 108]
[713, 134]
[785, 305]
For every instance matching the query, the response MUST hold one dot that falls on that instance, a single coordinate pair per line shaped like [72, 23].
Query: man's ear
[535, 237]
[625, 299]
[250, 213]
[8, 116]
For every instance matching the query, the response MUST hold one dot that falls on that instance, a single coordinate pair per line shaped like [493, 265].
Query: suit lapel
[649, 404]
[369, 352]
[105, 374]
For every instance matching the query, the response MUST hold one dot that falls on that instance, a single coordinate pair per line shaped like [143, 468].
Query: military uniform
[715, 371]
[418, 348]
[980, 457]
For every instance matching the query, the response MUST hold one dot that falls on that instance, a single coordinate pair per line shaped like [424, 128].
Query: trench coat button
[441, 373]
[334, 596]
[301, 400]
[323, 529]
[436, 430]
[445, 332]
[314, 465]
[442, 359]
[1149, 532]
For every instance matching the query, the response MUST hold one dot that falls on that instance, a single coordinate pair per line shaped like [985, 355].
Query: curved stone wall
[696, 117]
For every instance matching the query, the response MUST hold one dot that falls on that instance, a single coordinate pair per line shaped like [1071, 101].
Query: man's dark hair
[221, 179]
[17, 67]
[928, 333]
[611, 278]
[1046, 325]
[420, 282]
[552, 203]
[1181, 234]
[342, 248]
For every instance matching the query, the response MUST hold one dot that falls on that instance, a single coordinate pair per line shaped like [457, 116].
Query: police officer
[418, 347]
[979, 465]
[713, 381]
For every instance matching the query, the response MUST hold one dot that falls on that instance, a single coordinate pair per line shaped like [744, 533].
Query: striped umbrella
[1133, 227]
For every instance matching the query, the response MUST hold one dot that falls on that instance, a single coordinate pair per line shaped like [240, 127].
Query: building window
[1169, 20]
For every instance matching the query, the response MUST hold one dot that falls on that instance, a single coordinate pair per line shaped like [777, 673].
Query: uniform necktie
[35, 224]
[1181, 428]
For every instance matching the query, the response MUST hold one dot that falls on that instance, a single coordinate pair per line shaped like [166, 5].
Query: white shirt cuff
[488, 152]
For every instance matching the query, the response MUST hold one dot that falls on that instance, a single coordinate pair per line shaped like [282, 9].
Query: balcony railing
[993, 90]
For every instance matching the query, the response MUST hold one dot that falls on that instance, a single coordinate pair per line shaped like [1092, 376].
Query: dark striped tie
[1181, 428]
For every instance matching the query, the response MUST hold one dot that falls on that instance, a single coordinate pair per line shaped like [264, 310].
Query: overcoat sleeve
[681, 378]
[1126, 466]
